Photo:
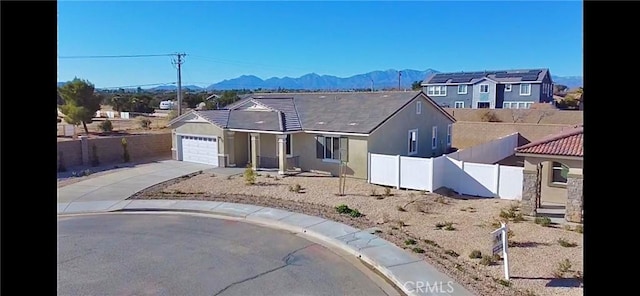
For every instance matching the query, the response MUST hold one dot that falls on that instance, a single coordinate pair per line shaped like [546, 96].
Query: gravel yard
[402, 214]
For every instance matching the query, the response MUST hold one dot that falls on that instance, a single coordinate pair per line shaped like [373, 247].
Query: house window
[559, 173]
[506, 105]
[522, 105]
[449, 128]
[483, 105]
[413, 142]
[418, 107]
[328, 147]
[544, 88]
[434, 137]
[462, 89]
[458, 104]
[437, 90]
[525, 89]
[484, 88]
[507, 87]
[517, 105]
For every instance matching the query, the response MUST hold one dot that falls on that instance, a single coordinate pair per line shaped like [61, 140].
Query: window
[418, 107]
[559, 173]
[462, 89]
[434, 137]
[484, 88]
[517, 105]
[483, 105]
[437, 90]
[507, 87]
[413, 142]
[458, 104]
[329, 148]
[525, 89]
[449, 128]
[544, 88]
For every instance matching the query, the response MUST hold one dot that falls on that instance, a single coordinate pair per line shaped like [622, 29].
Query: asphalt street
[171, 254]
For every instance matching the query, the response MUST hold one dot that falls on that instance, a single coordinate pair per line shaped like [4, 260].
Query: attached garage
[199, 149]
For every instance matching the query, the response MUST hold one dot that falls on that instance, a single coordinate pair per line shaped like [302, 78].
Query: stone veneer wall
[573, 210]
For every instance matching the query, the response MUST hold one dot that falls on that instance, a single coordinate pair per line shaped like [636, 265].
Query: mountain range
[312, 81]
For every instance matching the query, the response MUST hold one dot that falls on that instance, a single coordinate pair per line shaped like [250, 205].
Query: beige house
[553, 173]
[313, 131]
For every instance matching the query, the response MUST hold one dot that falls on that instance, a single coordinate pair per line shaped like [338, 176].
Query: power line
[139, 85]
[117, 56]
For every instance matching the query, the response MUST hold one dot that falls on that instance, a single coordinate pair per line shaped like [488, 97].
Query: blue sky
[225, 39]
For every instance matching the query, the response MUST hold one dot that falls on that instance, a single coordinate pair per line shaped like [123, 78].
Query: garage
[199, 149]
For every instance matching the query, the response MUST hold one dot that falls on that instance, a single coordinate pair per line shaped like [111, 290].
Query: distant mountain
[570, 81]
[379, 79]
[173, 87]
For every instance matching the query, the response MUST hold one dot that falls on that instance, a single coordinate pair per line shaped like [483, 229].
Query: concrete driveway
[121, 184]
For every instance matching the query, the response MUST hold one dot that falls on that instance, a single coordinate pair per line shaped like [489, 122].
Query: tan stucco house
[313, 131]
[553, 173]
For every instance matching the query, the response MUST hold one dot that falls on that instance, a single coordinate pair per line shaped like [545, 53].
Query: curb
[404, 270]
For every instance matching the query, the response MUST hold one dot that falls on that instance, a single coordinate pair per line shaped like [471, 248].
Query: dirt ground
[534, 256]
[120, 127]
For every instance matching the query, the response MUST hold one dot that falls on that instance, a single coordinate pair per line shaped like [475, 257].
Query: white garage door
[200, 150]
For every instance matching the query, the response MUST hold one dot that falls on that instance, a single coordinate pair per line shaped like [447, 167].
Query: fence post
[398, 170]
[84, 149]
[497, 181]
[368, 167]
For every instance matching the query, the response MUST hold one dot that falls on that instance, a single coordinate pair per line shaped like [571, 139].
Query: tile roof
[566, 143]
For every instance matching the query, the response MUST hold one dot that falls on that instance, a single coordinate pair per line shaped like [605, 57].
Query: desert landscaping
[450, 231]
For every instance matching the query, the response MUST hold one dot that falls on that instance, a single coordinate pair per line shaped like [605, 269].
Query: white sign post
[500, 244]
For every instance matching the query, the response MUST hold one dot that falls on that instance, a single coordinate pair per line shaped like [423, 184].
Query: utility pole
[372, 89]
[399, 74]
[178, 61]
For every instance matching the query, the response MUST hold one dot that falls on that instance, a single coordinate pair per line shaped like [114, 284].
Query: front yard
[444, 230]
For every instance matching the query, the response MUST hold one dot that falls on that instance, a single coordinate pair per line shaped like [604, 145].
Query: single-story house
[313, 131]
[553, 173]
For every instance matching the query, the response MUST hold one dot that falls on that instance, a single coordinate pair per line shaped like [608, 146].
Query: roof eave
[554, 156]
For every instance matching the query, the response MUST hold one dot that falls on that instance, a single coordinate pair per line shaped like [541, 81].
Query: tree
[416, 85]
[227, 98]
[80, 102]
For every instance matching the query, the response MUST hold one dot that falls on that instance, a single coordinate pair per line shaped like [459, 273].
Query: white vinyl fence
[477, 179]
[490, 152]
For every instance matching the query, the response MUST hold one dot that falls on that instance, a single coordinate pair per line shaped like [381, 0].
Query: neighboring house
[313, 131]
[553, 173]
[508, 89]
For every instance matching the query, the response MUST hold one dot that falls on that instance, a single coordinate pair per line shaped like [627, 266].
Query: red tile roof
[566, 143]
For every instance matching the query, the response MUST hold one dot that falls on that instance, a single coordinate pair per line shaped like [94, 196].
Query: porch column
[528, 204]
[282, 153]
[255, 149]
[573, 209]
[230, 149]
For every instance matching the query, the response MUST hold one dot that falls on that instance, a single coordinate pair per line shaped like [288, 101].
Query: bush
[145, 123]
[579, 229]
[355, 213]
[565, 243]
[410, 242]
[487, 260]
[475, 254]
[490, 116]
[430, 242]
[451, 253]
[106, 126]
[418, 250]
[249, 175]
[563, 267]
[296, 188]
[543, 221]
[387, 191]
[343, 209]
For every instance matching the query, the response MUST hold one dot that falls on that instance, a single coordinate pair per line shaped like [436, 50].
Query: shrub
[439, 225]
[296, 188]
[145, 123]
[430, 242]
[563, 267]
[387, 191]
[504, 282]
[106, 126]
[355, 213]
[579, 229]
[410, 242]
[449, 226]
[487, 260]
[249, 175]
[565, 243]
[400, 209]
[343, 209]
[451, 253]
[442, 200]
[543, 221]
[418, 250]
[373, 192]
[475, 254]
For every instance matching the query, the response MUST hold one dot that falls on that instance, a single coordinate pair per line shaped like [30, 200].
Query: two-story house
[509, 89]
